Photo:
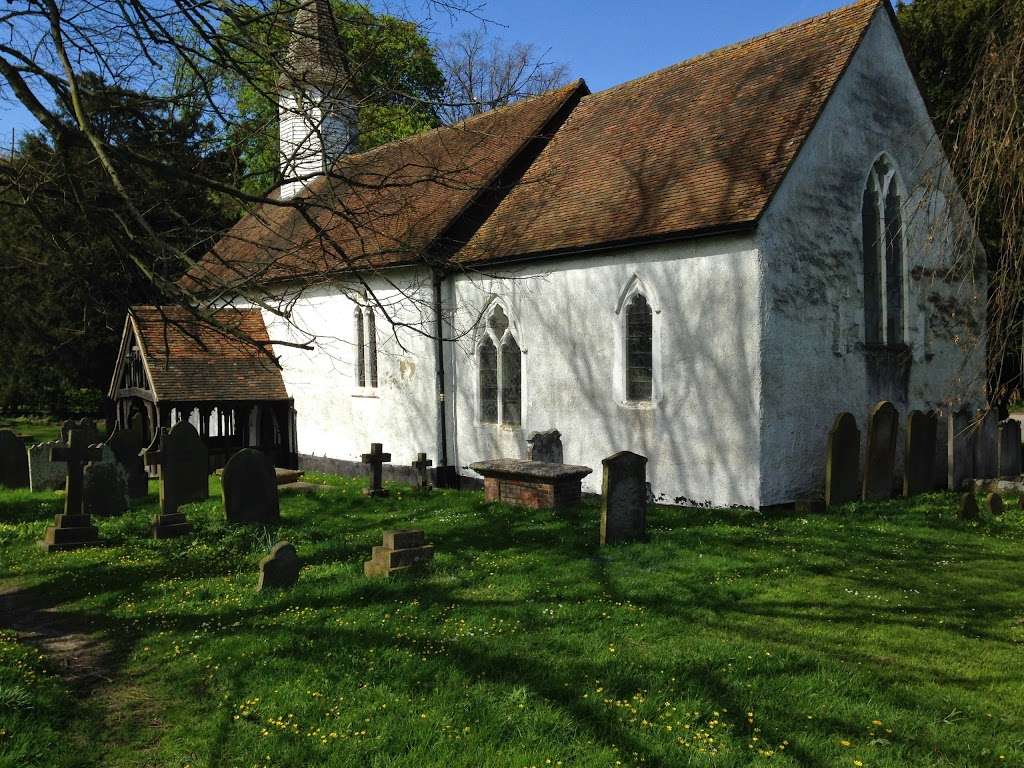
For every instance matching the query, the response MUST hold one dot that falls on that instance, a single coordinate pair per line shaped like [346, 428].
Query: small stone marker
[421, 465]
[986, 444]
[624, 498]
[995, 504]
[919, 453]
[376, 458]
[105, 486]
[74, 528]
[545, 446]
[961, 448]
[127, 447]
[880, 457]
[279, 569]
[969, 507]
[842, 461]
[1009, 453]
[13, 460]
[249, 487]
[402, 550]
[43, 474]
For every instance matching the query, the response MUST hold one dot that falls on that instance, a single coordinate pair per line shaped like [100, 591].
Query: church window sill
[638, 405]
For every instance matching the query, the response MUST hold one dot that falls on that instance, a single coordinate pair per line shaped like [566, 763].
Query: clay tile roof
[383, 207]
[190, 360]
[699, 146]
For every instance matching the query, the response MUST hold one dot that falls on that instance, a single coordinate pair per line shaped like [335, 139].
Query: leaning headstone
[624, 498]
[919, 453]
[422, 466]
[88, 426]
[13, 460]
[545, 446]
[279, 569]
[43, 474]
[376, 458]
[960, 435]
[401, 551]
[995, 504]
[940, 473]
[969, 507]
[842, 461]
[74, 528]
[1009, 458]
[127, 447]
[986, 444]
[105, 486]
[249, 488]
[880, 456]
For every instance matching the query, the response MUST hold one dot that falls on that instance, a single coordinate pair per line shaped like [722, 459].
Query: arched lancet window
[360, 350]
[366, 347]
[501, 381]
[639, 350]
[884, 299]
[371, 338]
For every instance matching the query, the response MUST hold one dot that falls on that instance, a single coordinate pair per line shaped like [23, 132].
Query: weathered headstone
[880, 456]
[842, 461]
[960, 435]
[421, 466]
[624, 498]
[919, 453]
[376, 458]
[1009, 454]
[184, 464]
[13, 460]
[127, 447]
[940, 474]
[249, 488]
[279, 569]
[88, 426]
[986, 444]
[994, 502]
[969, 507]
[74, 528]
[44, 474]
[402, 550]
[545, 446]
[105, 485]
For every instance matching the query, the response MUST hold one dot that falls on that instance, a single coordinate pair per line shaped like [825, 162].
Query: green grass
[883, 635]
[39, 429]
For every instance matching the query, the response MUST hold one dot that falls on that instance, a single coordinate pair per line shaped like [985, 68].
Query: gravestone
[127, 447]
[421, 466]
[842, 461]
[279, 569]
[88, 426]
[376, 458]
[44, 474]
[74, 528]
[995, 504]
[184, 464]
[986, 444]
[969, 507]
[401, 551]
[1009, 458]
[545, 446]
[13, 460]
[624, 498]
[940, 474]
[249, 487]
[105, 486]
[880, 456]
[919, 453]
[960, 435]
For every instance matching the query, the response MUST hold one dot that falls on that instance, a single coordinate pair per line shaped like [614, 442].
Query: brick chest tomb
[534, 484]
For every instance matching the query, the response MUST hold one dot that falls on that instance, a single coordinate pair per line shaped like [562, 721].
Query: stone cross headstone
[624, 498]
[105, 486]
[127, 447]
[13, 460]
[376, 458]
[842, 461]
[940, 474]
[249, 488]
[88, 426]
[421, 466]
[74, 528]
[995, 504]
[1009, 454]
[986, 444]
[960, 434]
[43, 474]
[880, 456]
[919, 453]
[279, 569]
[969, 507]
[546, 447]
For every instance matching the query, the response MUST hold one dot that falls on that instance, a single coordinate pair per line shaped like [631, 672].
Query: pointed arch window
[500, 372]
[639, 350]
[884, 289]
[366, 347]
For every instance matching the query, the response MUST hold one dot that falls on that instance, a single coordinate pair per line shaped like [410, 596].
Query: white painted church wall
[701, 432]
[814, 363]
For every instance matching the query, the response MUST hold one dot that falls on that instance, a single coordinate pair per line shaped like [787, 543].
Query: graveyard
[881, 633]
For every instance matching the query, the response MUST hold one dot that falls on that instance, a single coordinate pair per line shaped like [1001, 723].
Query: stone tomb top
[519, 468]
[533, 484]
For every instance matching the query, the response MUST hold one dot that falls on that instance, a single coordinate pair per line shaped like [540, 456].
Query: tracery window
[639, 350]
[884, 290]
[501, 383]
[366, 347]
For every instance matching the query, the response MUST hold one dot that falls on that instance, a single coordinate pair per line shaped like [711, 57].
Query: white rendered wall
[814, 363]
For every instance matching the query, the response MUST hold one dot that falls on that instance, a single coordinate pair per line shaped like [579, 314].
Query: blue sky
[606, 42]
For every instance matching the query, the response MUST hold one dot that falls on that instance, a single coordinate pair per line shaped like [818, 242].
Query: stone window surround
[367, 352]
[484, 331]
[634, 286]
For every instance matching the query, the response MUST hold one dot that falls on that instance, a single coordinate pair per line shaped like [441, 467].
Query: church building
[704, 266]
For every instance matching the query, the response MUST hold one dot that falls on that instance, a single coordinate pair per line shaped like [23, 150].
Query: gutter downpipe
[445, 477]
